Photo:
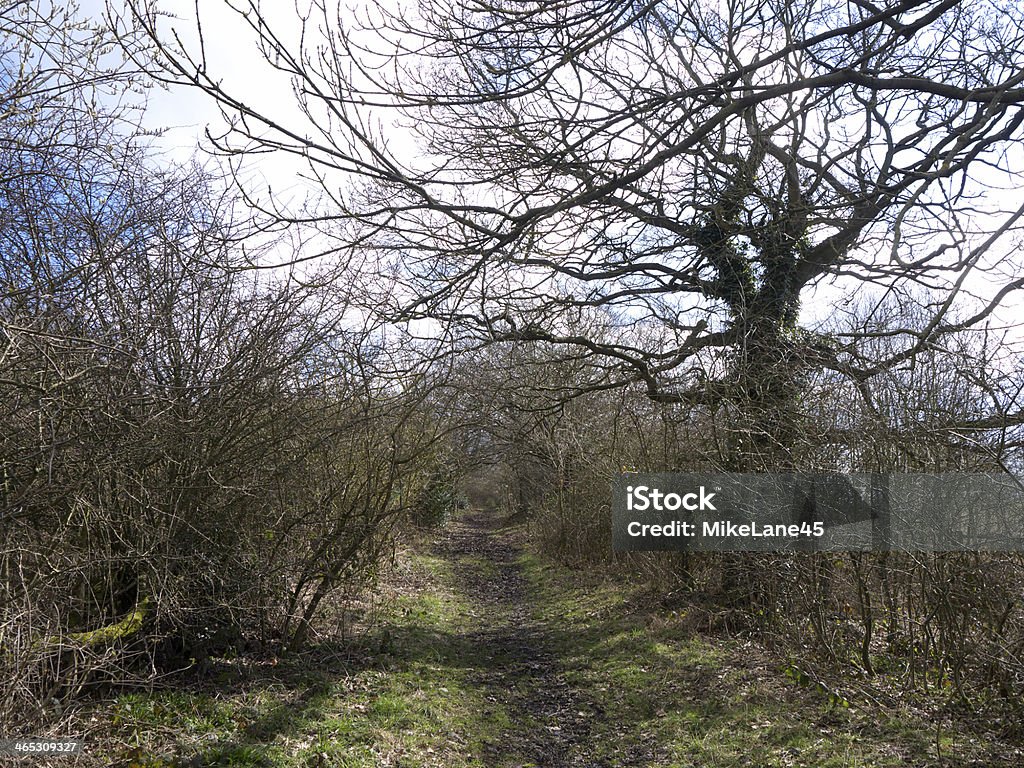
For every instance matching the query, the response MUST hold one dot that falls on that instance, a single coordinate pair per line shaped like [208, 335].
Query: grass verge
[715, 702]
[399, 696]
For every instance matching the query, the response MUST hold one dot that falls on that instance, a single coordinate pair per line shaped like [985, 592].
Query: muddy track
[549, 721]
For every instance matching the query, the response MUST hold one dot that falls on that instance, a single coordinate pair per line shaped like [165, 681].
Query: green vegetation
[709, 700]
[402, 694]
[120, 630]
[482, 654]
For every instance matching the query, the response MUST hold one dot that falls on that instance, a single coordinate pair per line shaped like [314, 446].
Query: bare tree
[695, 169]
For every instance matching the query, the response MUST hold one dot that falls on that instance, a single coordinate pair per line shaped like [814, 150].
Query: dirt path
[550, 724]
[587, 679]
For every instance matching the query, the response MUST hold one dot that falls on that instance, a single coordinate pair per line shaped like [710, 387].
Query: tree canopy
[656, 186]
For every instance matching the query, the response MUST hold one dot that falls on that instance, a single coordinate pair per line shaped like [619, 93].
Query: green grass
[421, 690]
[717, 702]
[408, 700]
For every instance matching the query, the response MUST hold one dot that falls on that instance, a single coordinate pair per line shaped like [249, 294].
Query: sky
[184, 113]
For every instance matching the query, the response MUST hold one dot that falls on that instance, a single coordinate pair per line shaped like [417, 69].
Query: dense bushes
[182, 444]
[192, 456]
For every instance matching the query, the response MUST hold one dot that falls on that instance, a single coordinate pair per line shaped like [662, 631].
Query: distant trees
[695, 170]
[945, 623]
